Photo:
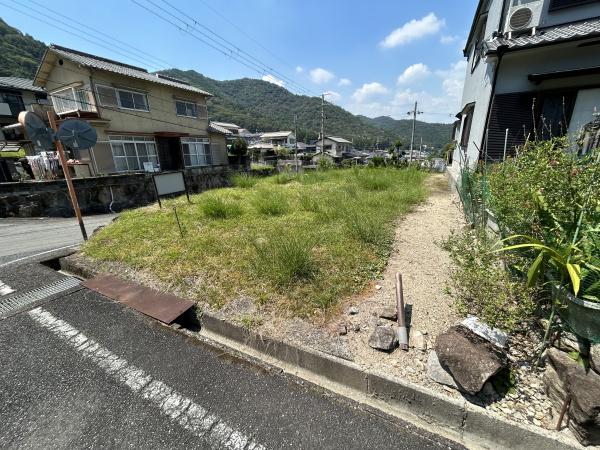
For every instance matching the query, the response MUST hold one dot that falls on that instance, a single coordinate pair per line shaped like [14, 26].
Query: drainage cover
[164, 307]
[14, 303]
[5, 289]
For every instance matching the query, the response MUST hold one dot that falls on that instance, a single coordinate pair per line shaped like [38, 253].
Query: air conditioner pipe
[401, 332]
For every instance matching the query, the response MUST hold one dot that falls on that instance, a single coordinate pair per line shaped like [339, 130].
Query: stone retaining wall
[95, 194]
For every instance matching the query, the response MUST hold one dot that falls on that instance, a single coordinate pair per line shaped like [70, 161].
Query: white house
[335, 146]
[533, 68]
[279, 138]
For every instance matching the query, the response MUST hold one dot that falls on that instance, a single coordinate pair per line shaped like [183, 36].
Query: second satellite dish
[36, 130]
[77, 134]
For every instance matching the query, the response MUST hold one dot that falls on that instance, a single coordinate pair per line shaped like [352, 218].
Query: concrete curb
[461, 421]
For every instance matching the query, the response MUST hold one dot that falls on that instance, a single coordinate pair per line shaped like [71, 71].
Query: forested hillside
[19, 53]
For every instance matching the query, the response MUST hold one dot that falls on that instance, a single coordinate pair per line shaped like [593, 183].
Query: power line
[267, 67]
[95, 30]
[67, 31]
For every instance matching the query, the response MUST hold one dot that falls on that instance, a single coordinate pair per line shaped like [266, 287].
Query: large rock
[584, 389]
[389, 313]
[595, 357]
[437, 373]
[470, 359]
[383, 338]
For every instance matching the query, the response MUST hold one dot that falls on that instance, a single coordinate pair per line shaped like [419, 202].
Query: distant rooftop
[275, 135]
[339, 140]
[97, 62]
[215, 127]
[23, 84]
[227, 125]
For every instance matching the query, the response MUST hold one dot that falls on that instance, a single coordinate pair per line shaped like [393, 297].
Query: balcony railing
[72, 100]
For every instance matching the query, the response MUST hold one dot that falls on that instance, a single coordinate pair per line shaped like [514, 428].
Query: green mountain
[253, 104]
[19, 53]
[261, 106]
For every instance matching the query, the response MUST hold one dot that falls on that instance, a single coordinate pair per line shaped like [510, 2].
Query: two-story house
[533, 70]
[279, 138]
[334, 146]
[144, 121]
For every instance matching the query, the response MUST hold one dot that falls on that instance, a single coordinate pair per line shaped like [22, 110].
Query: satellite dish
[77, 134]
[36, 130]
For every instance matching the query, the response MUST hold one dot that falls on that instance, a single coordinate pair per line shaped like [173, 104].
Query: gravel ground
[424, 268]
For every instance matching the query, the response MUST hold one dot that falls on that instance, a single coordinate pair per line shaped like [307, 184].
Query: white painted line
[172, 404]
[5, 289]
[38, 254]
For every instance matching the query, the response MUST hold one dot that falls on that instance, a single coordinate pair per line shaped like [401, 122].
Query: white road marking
[179, 408]
[5, 289]
[38, 254]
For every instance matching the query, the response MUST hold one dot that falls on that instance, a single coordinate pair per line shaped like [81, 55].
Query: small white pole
[505, 144]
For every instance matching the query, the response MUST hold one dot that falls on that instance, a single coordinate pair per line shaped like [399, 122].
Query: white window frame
[118, 97]
[195, 144]
[186, 103]
[138, 142]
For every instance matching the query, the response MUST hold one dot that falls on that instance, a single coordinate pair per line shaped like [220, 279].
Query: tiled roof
[127, 70]
[19, 83]
[544, 36]
[227, 125]
[339, 140]
[212, 126]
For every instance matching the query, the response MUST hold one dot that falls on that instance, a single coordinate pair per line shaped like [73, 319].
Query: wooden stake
[65, 168]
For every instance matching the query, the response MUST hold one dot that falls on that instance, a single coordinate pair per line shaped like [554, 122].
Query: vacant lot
[292, 244]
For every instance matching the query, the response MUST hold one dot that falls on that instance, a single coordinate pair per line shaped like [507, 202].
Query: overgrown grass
[298, 246]
[244, 180]
[216, 207]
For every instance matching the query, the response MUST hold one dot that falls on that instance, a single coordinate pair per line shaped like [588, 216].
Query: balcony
[74, 102]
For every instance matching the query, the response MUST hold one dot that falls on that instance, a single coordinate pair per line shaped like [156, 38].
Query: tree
[398, 144]
[239, 148]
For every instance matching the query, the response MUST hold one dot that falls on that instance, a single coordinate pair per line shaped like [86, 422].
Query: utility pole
[67, 174]
[322, 123]
[296, 142]
[414, 113]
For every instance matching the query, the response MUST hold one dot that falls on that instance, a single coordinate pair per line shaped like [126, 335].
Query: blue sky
[374, 57]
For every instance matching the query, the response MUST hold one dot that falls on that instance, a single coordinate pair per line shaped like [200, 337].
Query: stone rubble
[383, 338]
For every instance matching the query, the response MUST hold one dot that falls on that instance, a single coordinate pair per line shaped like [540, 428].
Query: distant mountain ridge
[261, 106]
[253, 104]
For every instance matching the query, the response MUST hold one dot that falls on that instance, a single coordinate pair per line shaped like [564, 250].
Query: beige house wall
[161, 117]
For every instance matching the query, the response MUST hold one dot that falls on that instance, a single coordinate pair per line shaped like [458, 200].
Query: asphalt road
[82, 371]
[21, 237]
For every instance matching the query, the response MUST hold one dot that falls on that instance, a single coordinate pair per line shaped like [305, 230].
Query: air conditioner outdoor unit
[524, 16]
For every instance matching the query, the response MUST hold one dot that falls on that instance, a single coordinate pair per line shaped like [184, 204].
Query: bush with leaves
[481, 285]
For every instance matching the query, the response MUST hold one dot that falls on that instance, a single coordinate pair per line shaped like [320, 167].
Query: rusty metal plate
[164, 307]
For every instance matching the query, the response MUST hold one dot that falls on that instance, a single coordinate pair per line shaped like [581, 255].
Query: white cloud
[299, 69]
[271, 79]
[414, 73]
[439, 101]
[332, 96]
[413, 30]
[369, 90]
[448, 39]
[320, 76]
[344, 82]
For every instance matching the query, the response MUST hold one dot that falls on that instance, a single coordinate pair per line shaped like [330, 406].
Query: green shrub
[216, 207]
[244, 181]
[283, 258]
[480, 284]
[325, 164]
[377, 161]
[270, 202]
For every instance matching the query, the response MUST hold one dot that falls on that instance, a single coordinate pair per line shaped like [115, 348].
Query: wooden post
[65, 168]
